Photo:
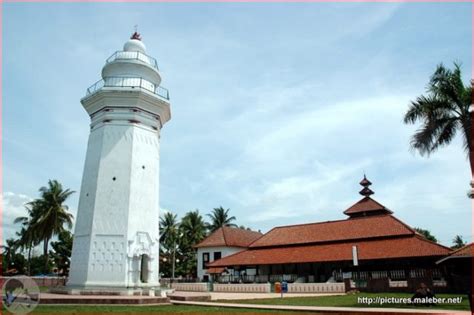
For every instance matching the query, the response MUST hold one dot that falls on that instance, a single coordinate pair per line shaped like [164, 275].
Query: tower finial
[136, 35]
[366, 191]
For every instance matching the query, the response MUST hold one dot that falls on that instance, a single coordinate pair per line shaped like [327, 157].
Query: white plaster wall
[118, 218]
[143, 215]
[226, 251]
[118, 213]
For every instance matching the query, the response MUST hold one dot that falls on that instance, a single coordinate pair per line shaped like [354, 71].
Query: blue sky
[277, 109]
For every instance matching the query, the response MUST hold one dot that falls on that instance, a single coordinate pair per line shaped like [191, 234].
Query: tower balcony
[128, 83]
[133, 55]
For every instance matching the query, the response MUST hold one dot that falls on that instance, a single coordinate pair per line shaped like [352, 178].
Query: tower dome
[135, 44]
[133, 64]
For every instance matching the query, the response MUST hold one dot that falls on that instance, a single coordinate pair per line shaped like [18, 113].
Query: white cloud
[13, 207]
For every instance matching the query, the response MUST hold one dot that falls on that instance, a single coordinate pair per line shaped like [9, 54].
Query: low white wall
[197, 287]
[398, 284]
[316, 288]
[242, 287]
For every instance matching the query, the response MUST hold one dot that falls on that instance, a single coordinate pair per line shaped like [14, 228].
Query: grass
[126, 309]
[350, 300]
[339, 300]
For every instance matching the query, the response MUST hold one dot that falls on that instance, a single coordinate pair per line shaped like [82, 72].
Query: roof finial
[136, 35]
[366, 191]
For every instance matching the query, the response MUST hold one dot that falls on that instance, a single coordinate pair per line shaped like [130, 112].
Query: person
[422, 294]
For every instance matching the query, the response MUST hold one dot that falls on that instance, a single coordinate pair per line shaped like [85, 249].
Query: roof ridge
[403, 223]
[208, 236]
[421, 237]
[228, 256]
[301, 224]
[336, 241]
[367, 198]
[321, 222]
[454, 251]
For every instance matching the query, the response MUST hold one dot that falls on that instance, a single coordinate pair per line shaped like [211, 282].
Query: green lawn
[351, 301]
[85, 309]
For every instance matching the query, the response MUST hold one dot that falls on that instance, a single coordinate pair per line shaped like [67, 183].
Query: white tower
[116, 239]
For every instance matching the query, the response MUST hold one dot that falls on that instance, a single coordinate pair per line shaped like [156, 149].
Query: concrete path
[324, 309]
[52, 298]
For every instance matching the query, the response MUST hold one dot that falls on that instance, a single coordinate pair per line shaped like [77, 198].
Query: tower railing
[133, 55]
[128, 82]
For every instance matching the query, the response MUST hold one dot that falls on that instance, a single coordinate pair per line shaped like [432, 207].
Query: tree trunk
[45, 253]
[29, 260]
[471, 150]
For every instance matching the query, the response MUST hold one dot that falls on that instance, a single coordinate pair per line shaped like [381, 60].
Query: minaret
[116, 239]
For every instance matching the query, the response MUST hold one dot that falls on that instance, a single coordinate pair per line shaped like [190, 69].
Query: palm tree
[168, 228]
[169, 237]
[27, 241]
[443, 112]
[50, 214]
[9, 251]
[193, 227]
[458, 242]
[219, 218]
[27, 235]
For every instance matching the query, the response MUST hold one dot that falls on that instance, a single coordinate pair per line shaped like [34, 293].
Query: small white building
[223, 242]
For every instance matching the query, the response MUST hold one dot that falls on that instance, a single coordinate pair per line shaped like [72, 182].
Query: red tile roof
[463, 252]
[215, 270]
[331, 231]
[229, 236]
[400, 247]
[366, 204]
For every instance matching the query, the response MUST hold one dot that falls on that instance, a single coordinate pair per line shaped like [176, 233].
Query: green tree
[50, 214]
[8, 254]
[443, 112]
[27, 235]
[458, 242]
[193, 230]
[37, 265]
[169, 234]
[426, 234]
[193, 227]
[219, 218]
[168, 229]
[62, 252]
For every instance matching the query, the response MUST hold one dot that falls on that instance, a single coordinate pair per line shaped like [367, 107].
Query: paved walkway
[52, 298]
[324, 309]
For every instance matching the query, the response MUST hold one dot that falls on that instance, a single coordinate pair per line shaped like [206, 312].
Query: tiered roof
[370, 226]
[400, 247]
[332, 231]
[229, 236]
[366, 206]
